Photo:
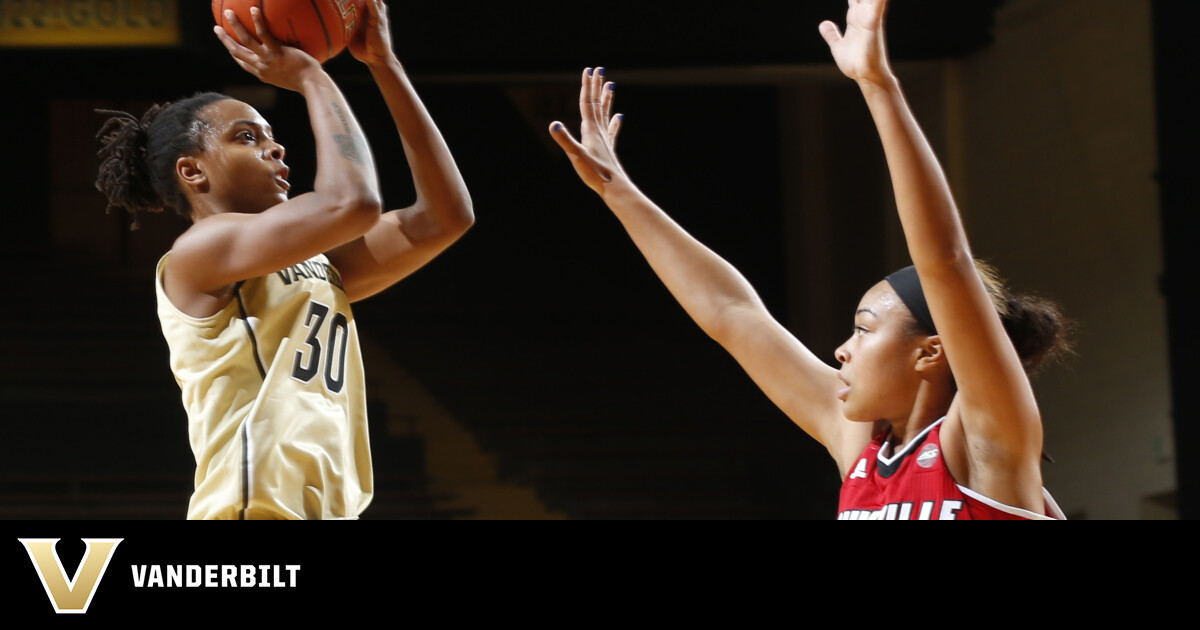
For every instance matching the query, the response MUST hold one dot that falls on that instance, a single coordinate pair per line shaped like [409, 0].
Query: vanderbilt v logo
[73, 595]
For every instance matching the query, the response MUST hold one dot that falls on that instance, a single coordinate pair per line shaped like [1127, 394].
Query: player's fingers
[606, 100]
[559, 132]
[614, 128]
[239, 30]
[239, 52]
[596, 90]
[376, 10]
[260, 28]
[225, 38]
[586, 111]
[830, 32]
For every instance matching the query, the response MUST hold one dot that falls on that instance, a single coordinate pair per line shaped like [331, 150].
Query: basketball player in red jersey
[932, 415]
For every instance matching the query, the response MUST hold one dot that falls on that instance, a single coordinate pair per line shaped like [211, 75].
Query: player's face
[879, 359]
[244, 163]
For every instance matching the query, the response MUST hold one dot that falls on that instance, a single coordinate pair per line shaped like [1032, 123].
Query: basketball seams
[324, 28]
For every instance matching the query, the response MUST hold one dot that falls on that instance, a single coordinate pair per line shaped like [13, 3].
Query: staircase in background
[607, 428]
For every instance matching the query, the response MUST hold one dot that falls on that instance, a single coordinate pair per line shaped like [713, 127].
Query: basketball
[321, 28]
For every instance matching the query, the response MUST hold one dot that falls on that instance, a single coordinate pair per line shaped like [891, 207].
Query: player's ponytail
[138, 156]
[1035, 325]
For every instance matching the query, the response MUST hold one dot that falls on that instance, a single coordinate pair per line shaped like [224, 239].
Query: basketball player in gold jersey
[254, 297]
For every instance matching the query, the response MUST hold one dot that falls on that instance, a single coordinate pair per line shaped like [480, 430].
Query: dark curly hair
[1036, 325]
[137, 156]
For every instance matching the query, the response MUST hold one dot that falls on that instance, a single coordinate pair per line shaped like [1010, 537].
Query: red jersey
[914, 484]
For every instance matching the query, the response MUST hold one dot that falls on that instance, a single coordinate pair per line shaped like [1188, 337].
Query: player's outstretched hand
[860, 52]
[594, 155]
[264, 56]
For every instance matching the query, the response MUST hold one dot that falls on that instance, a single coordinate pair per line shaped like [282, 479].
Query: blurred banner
[90, 23]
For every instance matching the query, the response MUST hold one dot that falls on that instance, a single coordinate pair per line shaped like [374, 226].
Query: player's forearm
[703, 283]
[442, 194]
[345, 167]
[928, 214]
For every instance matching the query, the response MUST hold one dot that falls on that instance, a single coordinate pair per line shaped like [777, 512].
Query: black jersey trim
[887, 466]
[237, 293]
[262, 372]
[245, 472]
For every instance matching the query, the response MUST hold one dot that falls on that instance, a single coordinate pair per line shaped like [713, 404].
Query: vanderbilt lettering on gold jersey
[274, 392]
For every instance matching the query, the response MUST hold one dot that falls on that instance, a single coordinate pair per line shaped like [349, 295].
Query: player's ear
[930, 354]
[191, 171]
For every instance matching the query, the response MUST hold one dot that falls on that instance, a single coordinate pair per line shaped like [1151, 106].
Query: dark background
[543, 329]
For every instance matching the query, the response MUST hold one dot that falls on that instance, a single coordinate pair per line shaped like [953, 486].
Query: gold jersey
[275, 397]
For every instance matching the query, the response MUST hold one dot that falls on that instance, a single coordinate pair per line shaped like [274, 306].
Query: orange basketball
[321, 28]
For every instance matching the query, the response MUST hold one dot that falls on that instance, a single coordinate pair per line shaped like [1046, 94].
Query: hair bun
[123, 151]
[1038, 330]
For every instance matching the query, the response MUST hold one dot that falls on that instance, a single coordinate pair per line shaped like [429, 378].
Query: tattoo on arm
[348, 147]
[347, 144]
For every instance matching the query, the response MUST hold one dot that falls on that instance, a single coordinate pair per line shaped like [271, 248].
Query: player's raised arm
[715, 294]
[403, 240]
[995, 425]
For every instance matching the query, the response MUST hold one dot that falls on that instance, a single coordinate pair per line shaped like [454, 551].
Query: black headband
[908, 286]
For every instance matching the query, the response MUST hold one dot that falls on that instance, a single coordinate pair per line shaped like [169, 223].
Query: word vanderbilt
[73, 595]
[312, 269]
[215, 576]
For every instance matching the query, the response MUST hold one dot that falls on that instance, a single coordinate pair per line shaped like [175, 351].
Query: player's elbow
[460, 217]
[358, 212]
[446, 221]
[729, 321]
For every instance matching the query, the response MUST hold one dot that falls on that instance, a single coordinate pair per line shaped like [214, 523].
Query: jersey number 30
[304, 369]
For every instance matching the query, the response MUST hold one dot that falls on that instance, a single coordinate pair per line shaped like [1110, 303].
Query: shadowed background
[538, 369]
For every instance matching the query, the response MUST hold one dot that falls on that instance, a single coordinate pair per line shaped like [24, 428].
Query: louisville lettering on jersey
[311, 269]
[946, 510]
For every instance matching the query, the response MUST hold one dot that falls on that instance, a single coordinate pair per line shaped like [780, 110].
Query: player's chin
[276, 198]
[854, 414]
[268, 202]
